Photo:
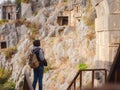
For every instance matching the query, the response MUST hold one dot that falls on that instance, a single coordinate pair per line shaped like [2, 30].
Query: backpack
[33, 61]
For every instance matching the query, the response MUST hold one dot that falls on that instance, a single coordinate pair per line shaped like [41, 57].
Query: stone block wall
[107, 26]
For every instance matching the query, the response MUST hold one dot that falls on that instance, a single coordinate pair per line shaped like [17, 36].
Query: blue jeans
[38, 75]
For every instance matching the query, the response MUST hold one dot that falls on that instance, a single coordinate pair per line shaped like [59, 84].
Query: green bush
[46, 69]
[4, 83]
[4, 75]
[9, 85]
[82, 66]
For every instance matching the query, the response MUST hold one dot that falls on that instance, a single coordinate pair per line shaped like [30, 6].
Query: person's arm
[41, 55]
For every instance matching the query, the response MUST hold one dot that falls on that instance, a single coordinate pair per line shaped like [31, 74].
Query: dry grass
[10, 51]
[23, 61]
[90, 36]
[3, 21]
[34, 29]
[25, 1]
[64, 0]
[4, 75]
[87, 21]
[89, 6]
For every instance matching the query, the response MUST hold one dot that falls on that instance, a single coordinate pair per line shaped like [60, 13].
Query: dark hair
[36, 42]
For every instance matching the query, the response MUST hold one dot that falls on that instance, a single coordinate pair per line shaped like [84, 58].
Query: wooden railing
[73, 86]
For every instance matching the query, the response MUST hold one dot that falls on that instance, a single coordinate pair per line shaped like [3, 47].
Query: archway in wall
[107, 27]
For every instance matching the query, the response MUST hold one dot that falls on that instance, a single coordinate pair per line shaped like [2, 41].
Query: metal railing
[73, 86]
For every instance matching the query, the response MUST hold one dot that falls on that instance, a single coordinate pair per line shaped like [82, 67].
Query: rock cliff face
[65, 46]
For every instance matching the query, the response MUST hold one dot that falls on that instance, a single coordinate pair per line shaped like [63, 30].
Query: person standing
[38, 72]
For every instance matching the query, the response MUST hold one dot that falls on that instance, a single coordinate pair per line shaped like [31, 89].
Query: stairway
[113, 77]
[79, 75]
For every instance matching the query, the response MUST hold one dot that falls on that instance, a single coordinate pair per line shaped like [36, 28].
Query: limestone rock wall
[26, 10]
[65, 46]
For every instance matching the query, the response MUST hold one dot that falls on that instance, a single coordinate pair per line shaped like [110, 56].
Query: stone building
[9, 11]
[63, 18]
[70, 18]
[107, 27]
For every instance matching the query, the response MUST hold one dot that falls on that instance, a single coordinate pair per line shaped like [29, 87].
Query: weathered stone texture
[108, 22]
[101, 9]
[114, 6]
[114, 37]
[95, 2]
[106, 53]
[26, 10]
[108, 38]
[107, 7]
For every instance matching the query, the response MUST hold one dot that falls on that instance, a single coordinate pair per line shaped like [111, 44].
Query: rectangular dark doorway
[9, 16]
[3, 45]
[62, 20]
